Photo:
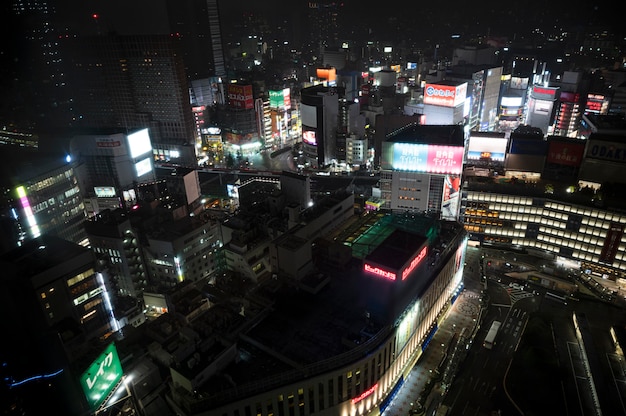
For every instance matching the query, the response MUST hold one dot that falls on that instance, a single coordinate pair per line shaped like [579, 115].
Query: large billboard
[487, 147]
[426, 158]
[565, 153]
[240, 96]
[596, 104]
[528, 146]
[451, 197]
[611, 242]
[280, 99]
[604, 150]
[102, 376]
[445, 95]
[139, 143]
[308, 137]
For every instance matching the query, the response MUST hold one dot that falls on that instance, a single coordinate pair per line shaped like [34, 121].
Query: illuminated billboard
[611, 243]
[445, 95]
[451, 197]
[143, 166]
[596, 104]
[424, 158]
[102, 376]
[28, 211]
[280, 99]
[139, 143]
[487, 147]
[329, 74]
[105, 191]
[604, 150]
[308, 137]
[240, 96]
[565, 153]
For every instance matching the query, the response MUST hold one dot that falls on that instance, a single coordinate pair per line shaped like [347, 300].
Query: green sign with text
[102, 376]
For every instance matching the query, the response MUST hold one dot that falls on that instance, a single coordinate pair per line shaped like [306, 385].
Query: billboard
[528, 146]
[139, 143]
[544, 93]
[143, 166]
[487, 147]
[329, 74]
[423, 158]
[596, 104]
[308, 137]
[512, 101]
[105, 191]
[609, 151]
[102, 376]
[451, 197]
[445, 95]
[611, 242]
[280, 99]
[565, 153]
[240, 96]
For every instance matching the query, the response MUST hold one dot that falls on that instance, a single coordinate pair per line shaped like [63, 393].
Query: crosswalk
[517, 294]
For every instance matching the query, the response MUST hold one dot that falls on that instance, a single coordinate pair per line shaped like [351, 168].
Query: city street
[464, 313]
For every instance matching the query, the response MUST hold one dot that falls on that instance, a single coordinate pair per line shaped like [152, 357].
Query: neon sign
[414, 263]
[380, 272]
[364, 394]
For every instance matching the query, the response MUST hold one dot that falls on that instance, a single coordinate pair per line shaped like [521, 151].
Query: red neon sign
[380, 272]
[414, 263]
[364, 394]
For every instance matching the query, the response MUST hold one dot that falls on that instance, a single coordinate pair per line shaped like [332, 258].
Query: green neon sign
[102, 376]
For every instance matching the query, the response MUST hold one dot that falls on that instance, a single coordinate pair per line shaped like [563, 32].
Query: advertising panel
[518, 83]
[240, 96]
[329, 74]
[427, 158]
[564, 153]
[596, 104]
[610, 151]
[143, 166]
[445, 95]
[544, 93]
[107, 142]
[487, 147]
[569, 97]
[102, 376]
[139, 143]
[451, 197]
[511, 101]
[277, 99]
[525, 146]
[308, 115]
[308, 137]
[611, 243]
[104, 191]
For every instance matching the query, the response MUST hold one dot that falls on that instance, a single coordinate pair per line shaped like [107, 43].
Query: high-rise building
[44, 198]
[52, 301]
[110, 167]
[319, 110]
[421, 170]
[133, 82]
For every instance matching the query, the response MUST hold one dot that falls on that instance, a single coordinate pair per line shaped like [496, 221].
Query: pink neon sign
[380, 272]
[364, 394]
[414, 262]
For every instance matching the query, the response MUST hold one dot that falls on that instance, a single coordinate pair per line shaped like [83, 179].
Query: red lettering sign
[364, 394]
[414, 262]
[380, 272]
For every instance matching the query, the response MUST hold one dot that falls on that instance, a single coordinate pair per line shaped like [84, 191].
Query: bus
[491, 335]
